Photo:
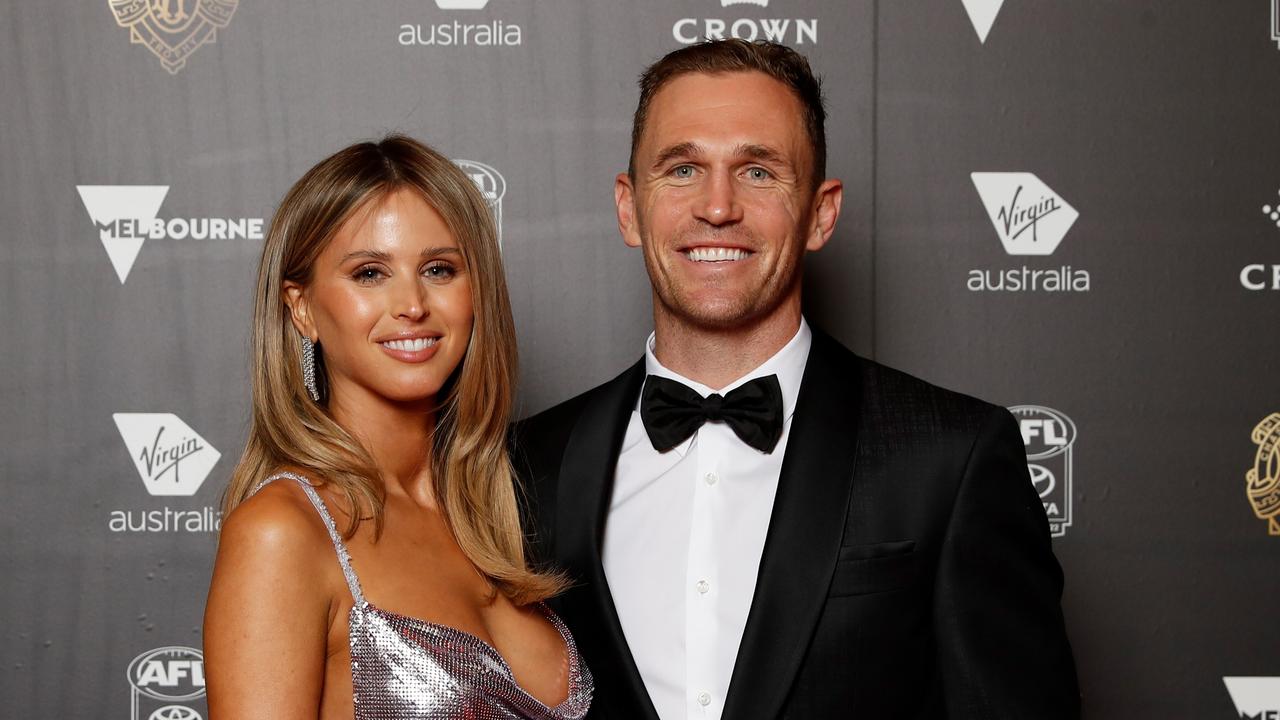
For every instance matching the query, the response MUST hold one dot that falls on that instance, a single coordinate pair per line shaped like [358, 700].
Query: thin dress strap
[344, 557]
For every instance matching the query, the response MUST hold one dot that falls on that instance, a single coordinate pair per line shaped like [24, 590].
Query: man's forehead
[696, 98]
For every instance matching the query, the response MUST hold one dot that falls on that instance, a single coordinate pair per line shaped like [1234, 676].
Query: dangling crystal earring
[309, 368]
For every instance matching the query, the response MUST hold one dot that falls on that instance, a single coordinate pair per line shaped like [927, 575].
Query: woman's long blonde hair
[473, 479]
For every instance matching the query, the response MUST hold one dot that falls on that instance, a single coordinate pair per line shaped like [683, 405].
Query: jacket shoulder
[892, 398]
[538, 441]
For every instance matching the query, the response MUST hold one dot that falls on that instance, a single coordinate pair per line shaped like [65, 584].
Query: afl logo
[492, 187]
[168, 673]
[1048, 436]
[1046, 433]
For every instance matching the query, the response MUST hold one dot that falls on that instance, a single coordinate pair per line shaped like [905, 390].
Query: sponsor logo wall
[1014, 153]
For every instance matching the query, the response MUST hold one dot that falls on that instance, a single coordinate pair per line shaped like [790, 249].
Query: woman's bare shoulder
[278, 522]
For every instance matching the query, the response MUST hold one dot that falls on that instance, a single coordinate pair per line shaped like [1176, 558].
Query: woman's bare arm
[267, 620]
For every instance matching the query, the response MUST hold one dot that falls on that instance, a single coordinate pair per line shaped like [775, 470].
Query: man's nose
[719, 203]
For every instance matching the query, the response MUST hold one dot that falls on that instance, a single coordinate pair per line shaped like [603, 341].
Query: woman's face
[389, 302]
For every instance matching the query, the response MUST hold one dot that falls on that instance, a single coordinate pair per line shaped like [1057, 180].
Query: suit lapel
[585, 489]
[805, 530]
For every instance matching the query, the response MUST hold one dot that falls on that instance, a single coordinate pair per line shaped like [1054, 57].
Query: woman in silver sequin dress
[371, 563]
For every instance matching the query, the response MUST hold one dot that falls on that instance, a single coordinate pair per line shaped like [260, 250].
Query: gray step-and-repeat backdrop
[1071, 208]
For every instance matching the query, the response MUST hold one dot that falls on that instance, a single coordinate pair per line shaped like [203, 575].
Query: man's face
[723, 202]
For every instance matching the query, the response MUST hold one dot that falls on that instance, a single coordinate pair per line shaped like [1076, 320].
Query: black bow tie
[672, 412]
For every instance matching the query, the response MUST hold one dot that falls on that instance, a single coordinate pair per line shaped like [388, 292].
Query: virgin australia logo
[792, 31]
[1030, 219]
[173, 29]
[171, 458]
[982, 13]
[455, 33]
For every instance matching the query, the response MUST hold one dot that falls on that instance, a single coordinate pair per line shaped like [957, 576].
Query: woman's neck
[398, 436]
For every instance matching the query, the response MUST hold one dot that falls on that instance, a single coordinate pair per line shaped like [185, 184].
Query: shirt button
[702, 587]
[710, 478]
[704, 699]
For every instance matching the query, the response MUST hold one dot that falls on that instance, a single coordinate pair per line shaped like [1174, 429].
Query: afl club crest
[1262, 482]
[173, 29]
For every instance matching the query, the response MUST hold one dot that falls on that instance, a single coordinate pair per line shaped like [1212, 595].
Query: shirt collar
[788, 364]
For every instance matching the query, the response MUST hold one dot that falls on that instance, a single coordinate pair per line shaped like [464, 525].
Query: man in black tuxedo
[760, 523]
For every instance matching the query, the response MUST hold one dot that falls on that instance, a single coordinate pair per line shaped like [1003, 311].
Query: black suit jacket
[907, 571]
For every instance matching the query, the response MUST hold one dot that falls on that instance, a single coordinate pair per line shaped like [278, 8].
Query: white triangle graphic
[982, 13]
[108, 203]
[171, 458]
[1254, 696]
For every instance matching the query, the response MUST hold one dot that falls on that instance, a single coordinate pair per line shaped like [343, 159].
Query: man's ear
[295, 297]
[624, 197]
[826, 210]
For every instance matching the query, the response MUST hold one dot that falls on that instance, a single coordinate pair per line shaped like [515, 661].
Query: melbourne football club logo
[171, 458]
[1262, 481]
[173, 29]
[163, 681]
[1049, 435]
[492, 186]
[982, 13]
[1255, 698]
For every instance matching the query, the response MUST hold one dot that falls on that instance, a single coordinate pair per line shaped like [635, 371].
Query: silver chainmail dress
[403, 668]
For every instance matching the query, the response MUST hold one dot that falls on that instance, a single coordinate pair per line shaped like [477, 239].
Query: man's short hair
[715, 57]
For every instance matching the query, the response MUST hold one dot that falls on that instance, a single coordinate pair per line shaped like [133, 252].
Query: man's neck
[716, 357]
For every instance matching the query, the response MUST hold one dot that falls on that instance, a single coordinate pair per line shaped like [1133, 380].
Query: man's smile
[716, 254]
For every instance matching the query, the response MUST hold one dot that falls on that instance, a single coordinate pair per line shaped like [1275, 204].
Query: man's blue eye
[758, 173]
[684, 171]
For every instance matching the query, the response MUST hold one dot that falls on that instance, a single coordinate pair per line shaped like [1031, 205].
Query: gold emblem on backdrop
[173, 29]
[1263, 480]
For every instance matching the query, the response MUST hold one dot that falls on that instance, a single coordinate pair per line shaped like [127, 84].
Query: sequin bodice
[404, 668]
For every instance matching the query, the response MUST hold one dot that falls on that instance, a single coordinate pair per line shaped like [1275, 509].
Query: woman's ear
[295, 297]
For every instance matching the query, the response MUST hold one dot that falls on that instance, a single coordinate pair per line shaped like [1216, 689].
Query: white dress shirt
[683, 540]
